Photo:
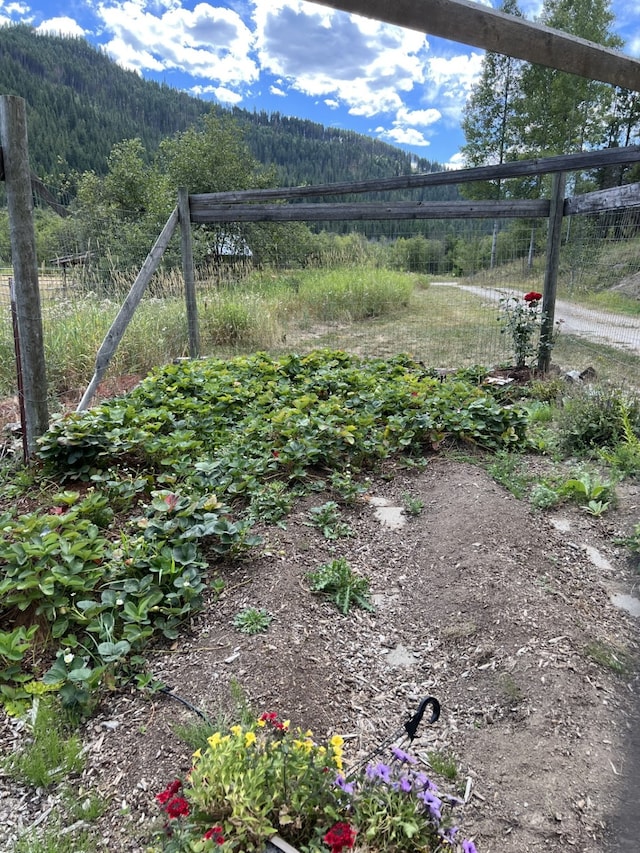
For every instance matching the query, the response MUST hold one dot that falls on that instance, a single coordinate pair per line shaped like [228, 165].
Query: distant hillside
[80, 103]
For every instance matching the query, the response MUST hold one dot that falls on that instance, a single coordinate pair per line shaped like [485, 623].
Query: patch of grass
[338, 582]
[609, 657]
[510, 688]
[196, 733]
[510, 471]
[53, 751]
[444, 764]
[252, 620]
[54, 839]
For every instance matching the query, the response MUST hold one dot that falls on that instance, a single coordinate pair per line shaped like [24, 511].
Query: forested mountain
[80, 103]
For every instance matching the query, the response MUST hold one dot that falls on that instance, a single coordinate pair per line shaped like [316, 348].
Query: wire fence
[431, 289]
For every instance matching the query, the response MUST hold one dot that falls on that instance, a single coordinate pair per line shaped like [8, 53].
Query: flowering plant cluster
[264, 779]
[520, 319]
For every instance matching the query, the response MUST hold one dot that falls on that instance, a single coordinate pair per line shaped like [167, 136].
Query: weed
[511, 689]
[53, 840]
[413, 506]
[589, 491]
[52, 752]
[338, 582]
[196, 734]
[327, 519]
[609, 657]
[544, 497]
[596, 508]
[344, 485]
[252, 621]
[509, 470]
[593, 419]
[444, 764]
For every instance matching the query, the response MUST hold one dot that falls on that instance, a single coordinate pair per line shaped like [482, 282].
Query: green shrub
[593, 419]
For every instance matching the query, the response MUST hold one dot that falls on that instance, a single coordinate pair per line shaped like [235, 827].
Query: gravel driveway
[603, 327]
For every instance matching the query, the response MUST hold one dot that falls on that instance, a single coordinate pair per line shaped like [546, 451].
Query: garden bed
[480, 601]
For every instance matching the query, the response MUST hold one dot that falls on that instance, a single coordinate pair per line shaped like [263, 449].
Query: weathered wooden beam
[127, 310]
[584, 160]
[13, 139]
[615, 198]
[550, 287]
[202, 212]
[480, 26]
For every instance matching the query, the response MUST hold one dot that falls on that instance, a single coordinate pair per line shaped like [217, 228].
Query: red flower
[340, 835]
[214, 834]
[270, 717]
[532, 296]
[169, 792]
[177, 807]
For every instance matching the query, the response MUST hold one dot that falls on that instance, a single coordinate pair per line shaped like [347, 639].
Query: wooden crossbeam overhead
[473, 24]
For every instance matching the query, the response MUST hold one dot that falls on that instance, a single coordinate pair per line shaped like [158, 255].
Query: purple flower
[342, 783]
[422, 781]
[379, 771]
[403, 756]
[434, 804]
[405, 784]
[468, 846]
[450, 834]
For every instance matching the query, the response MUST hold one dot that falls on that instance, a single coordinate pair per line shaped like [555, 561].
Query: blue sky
[295, 57]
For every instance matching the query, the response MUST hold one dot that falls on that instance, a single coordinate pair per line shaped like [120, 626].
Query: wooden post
[119, 325]
[554, 238]
[187, 273]
[17, 176]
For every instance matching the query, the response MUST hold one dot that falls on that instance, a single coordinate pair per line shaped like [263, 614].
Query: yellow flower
[197, 754]
[262, 723]
[336, 742]
[214, 740]
[305, 746]
[249, 738]
[286, 724]
[236, 731]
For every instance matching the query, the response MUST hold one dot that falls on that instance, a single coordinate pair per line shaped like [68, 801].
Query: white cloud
[277, 91]
[61, 26]
[14, 11]
[359, 63]
[220, 93]
[451, 80]
[404, 136]
[207, 42]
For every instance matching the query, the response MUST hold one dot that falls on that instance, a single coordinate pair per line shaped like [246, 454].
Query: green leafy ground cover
[166, 481]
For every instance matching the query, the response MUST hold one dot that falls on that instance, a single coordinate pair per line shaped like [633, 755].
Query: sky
[296, 58]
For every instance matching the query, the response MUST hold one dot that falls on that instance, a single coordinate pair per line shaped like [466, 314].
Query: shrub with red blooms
[340, 835]
[214, 834]
[263, 778]
[520, 320]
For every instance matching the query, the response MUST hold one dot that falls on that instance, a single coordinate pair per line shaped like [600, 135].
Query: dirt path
[603, 327]
[501, 612]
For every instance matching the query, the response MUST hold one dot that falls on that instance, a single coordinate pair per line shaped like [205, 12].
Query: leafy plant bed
[479, 598]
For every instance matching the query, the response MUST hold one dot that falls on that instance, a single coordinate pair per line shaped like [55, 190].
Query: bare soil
[499, 611]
